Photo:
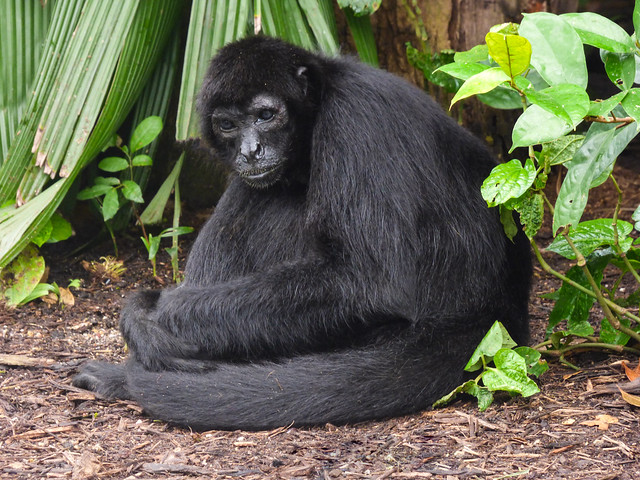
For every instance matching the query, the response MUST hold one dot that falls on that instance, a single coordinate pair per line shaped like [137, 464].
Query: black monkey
[348, 271]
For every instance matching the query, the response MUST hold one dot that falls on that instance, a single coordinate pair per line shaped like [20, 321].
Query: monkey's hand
[150, 343]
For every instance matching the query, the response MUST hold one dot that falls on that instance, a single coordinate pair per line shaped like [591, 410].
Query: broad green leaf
[604, 107]
[463, 71]
[531, 210]
[620, 68]
[557, 51]
[561, 150]
[131, 191]
[496, 338]
[511, 52]
[153, 246]
[600, 32]
[508, 180]
[567, 101]
[510, 374]
[573, 305]
[142, 161]
[548, 103]
[41, 290]
[26, 271]
[145, 133]
[507, 221]
[428, 63]
[479, 53]
[113, 164]
[110, 204]
[113, 181]
[61, 229]
[94, 191]
[481, 83]
[484, 396]
[608, 334]
[537, 125]
[533, 359]
[631, 105]
[636, 218]
[503, 97]
[601, 147]
[590, 235]
[361, 32]
[43, 234]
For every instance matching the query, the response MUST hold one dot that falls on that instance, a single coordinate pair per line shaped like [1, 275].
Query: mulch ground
[49, 429]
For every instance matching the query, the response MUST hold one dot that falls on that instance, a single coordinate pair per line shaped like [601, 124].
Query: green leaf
[597, 154]
[142, 161]
[620, 68]
[175, 231]
[110, 204]
[507, 221]
[484, 396]
[496, 338]
[557, 51]
[636, 218]
[508, 180]
[43, 234]
[113, 181]
[61, 229]
[537, 125]
[631, 105]
[153, 246]
[463, 71]
[145, 133]
[531, 210]
[533, 359]
[479, 53]
[511, 52]
[561, 150]
[503, 98]
[600, 32]
[590, 235]
[113, 164]
[94, 191]
[510, 374]
[573, 305]
[567, 101]
[27, 270]
[608, 334]
[481, 83]
[131, 191]
[604, 107]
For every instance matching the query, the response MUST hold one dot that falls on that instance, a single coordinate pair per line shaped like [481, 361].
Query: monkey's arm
[291, 308]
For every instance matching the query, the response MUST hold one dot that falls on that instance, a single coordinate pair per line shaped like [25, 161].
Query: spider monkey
[348, 271]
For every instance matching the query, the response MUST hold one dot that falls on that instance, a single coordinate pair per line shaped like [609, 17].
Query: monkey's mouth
[262, 177]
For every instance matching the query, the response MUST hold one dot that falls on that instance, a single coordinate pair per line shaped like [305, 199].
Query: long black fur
[354, 288]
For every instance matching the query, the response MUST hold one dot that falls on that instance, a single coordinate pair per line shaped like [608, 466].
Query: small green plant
[112, 192]
[152, 244]
[539, 67]
[20, 280]
[510, 373]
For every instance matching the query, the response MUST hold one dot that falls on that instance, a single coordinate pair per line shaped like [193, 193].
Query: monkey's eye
[265, 115]
[226, 125]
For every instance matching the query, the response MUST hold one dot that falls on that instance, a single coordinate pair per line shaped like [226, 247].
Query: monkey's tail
[396, 377]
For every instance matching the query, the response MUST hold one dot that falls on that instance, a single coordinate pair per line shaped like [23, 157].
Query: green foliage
[510, 372]
[541, 64]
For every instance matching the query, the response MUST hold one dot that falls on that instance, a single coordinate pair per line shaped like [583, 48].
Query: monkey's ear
[302, 74]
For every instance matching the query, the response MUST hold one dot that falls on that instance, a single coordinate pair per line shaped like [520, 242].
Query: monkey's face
[255, 139]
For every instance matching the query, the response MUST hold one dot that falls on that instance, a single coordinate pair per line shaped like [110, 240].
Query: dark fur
[354, 288]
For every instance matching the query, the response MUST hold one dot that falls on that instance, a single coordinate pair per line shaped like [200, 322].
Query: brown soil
[49, 429]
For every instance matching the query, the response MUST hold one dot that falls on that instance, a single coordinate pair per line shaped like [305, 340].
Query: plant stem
[601, 119]
[614, 306]
[616, 245]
